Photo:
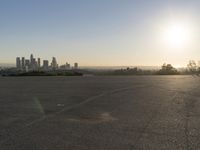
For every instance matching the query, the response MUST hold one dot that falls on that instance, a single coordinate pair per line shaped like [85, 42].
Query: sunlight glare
[177, 35]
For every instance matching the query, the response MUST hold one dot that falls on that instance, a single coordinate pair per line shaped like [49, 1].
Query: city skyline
[35, 64]
[102, 33]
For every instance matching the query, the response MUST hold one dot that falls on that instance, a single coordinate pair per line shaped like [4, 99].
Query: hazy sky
[98, 32]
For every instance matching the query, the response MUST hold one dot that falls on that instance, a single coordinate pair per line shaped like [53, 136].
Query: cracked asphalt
[100, 113]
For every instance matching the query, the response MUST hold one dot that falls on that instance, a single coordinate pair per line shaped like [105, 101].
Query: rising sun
[177, 35]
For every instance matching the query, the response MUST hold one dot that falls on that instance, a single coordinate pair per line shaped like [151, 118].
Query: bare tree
[192, 67]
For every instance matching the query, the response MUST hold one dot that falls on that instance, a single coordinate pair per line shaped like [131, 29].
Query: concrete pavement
[101, 113]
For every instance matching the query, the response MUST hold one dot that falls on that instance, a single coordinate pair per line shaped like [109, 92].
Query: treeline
[41, 73]
[166, 69]
[134, 71]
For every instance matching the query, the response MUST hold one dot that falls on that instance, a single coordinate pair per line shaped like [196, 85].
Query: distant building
[67, 65]
[38, 63]
[18, 63]
[23, 63]
[54, 64]
[45, 65]
[27, 63]
[34, 64]
[75, 65]
[63, 67]
[31, 58]
[31, 62]
[26, 68]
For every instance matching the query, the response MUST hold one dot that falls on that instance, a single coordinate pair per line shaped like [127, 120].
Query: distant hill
[120, 67]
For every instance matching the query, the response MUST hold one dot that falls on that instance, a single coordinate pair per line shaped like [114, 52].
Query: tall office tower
[75, 65]
[31, 61]
[31, 58]
[38, 63]
[54, 64]
[18, 63]
[34, 64]
[45, 65]
[23, 63]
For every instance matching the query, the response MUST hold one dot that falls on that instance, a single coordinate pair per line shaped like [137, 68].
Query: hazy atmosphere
[99, 75]
[101, 32]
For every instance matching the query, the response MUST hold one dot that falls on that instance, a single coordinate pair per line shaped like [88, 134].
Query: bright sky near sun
[101, 32]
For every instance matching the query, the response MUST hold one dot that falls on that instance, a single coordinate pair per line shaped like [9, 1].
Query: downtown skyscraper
[33, 64]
